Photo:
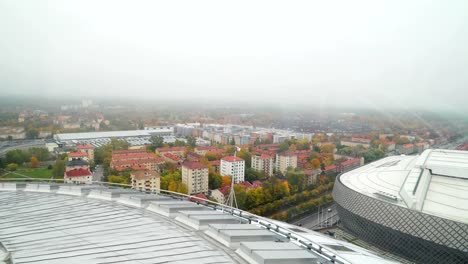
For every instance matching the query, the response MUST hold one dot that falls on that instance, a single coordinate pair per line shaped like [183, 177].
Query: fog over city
[374, 54]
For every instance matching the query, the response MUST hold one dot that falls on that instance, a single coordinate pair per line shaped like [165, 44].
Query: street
[328, 213]
[98, 173]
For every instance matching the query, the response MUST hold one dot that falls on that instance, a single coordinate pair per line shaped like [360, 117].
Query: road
[98, 173]
[24, 145]
[328, 213]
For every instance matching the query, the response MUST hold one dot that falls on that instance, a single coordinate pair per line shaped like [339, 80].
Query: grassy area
[42, 173]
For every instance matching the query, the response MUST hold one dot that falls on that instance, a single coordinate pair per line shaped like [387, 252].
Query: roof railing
[251, 218]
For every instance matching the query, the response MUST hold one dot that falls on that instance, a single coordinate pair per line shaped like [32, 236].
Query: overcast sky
[359, 53]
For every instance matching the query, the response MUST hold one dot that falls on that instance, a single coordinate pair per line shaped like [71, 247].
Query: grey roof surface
[49, 223]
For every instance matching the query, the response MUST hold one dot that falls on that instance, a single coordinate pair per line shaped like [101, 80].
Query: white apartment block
[285, 160]
[263, 163]
[234, 168]
[195, 177]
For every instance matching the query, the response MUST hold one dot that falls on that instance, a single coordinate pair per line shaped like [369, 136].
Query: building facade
[79, 176]
[146, 180]
[263, 163]
[233, 167]
[195, 177]
[285, 160]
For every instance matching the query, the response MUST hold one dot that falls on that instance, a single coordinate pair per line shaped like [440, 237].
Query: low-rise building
[263, 163]
[233, 167]
[78, 155]
[76, 163]
[215, 164]
[195, 177]
[78, 176]
[88, 149]
[285, 160]
[146, 180]
[178, 151]
[220, 195]
[350, 164]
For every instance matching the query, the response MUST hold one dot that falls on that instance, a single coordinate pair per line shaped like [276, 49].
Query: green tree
[296, 179]
[32, 133]
[17, 156]
[243, 154]
[117, 179]
[59, 168]
[232, 141]
[192, 141]
[241, 195]
[156, 142]
[284, 146]
[252, 175]
[42, 154]
[214, 180]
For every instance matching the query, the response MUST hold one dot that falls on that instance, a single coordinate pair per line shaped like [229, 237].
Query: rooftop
[435, 182]
[50, 223]
[78, 173]
[194, 165]
[231, 159]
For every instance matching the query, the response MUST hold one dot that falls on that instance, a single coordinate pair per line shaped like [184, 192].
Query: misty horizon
[367, 55]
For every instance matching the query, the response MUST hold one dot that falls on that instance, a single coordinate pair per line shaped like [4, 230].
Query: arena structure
[413, 206]
[59, 223]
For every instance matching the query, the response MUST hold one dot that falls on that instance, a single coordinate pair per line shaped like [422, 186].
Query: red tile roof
[408, 146]
[84, 146]
[215, 162]
[77, 154]
[208, 148]
[128, 151]
[172, 157]
[169, 149]
[78, 173]
[330, 168]
[231, 159]
[194, 165]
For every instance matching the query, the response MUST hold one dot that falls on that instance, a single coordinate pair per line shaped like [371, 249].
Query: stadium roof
[49, 223]
[436, 182]
[109, 134]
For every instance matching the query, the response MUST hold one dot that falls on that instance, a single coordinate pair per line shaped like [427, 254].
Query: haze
[375, 54]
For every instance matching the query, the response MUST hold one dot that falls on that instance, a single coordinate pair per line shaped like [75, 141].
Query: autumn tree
[315, 163]
[296, 179]
[33, 163]
[327, 148]
[226, 181]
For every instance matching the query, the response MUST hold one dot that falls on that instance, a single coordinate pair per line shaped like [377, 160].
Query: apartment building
[263, 163]
[146, 180]
[195, 177]
[233, 167]
[285, 160]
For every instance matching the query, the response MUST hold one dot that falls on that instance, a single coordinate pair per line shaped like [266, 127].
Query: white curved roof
[435, 182]
[48, 223]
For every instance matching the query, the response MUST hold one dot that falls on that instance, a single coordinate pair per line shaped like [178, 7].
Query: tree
[32, 133]
[117, 179]
[42, 154]
[192, 142]
[241, 195]
[327, 148]
[252, 175]
[226, 181]
[296, 179]
[315, 163]
[12, 166]
[17, 156]
[59, 168]
[34, 163]
[243, 154]
[214, 180]
[284, 146]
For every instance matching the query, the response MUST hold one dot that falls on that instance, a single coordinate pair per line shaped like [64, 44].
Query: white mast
[231, 200]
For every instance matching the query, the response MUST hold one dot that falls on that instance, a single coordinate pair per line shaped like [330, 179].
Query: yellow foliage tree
[34, 163]
[226, 181]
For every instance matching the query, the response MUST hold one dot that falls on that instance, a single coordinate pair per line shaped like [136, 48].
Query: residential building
[350, 164]
[234, 168]
[356, 141]
[172, 158]
[202, 150]
[78, 175]
[134, 159]
[76, 163]
[285, 160]
[146, 180]
[263, 163]
[215, 164]
[78, 155]
[194, 157]
[178, 151]
[406, 149]
[312, 176]
[195, 177]
[220, 195]
[88, 149]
